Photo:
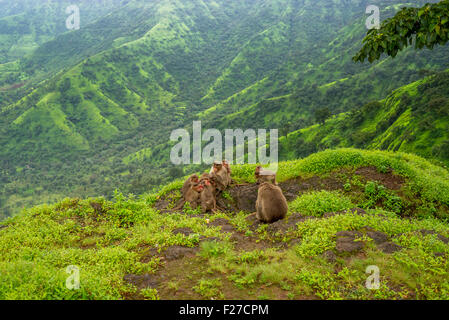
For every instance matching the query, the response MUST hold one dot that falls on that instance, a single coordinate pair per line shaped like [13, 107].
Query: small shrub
[316, 203]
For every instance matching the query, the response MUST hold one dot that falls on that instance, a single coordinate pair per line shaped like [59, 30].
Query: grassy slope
[120, 246]
[26, 25]
[414, 118]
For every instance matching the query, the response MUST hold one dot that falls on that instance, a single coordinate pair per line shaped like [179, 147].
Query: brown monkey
[192, 196]
[207, 197]
[208, 182]
[228, 169]
[187, 184]
[271, 204]
[219, 175]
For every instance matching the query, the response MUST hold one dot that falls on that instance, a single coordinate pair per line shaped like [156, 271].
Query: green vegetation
[88, 111]
[87, 114]
[317, 203]
[413, 119]
[123, 247]
[425, 27]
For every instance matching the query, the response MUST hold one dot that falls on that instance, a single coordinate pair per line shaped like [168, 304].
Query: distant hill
[414, 118]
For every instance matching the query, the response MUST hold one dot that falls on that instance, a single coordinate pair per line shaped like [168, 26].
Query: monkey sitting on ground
[271, 204]
[228, 169]
[207, 181]
[220, 175]
[207, 197]
[192, 196]
[187, 184]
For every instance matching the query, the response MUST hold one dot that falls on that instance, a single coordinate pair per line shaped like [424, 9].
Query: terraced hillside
[348, 209]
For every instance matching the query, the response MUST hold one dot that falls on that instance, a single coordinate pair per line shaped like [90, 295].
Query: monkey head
[206, 182]
[218, 166]
[198, 187]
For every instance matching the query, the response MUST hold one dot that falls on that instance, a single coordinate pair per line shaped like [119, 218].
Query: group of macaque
[203, 191]
[271, 204]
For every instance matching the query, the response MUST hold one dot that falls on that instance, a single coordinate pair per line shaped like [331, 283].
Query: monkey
[271, 204]
[219, 175]
[192, 179]
[263, 175]
[207, 197]
[208, 182]
[192, 196]
[225, 164]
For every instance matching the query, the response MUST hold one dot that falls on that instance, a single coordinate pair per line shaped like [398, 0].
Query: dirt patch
[346, 242]
[141, 281]
[178, 252]
[249, 243]
[166, 201]
[244, 197]
[240, 240]
[389, 180]
[225, 225]
[168, 253]
[389, 247]
[378, 237]
[330, 256]
[148, 255]
[292, 188]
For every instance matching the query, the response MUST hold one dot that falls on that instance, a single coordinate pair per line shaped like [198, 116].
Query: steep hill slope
[346, 212]
[25, 25]
[414, 118]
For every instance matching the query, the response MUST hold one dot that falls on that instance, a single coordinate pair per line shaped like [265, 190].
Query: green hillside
[25, 25]
[348, 209]
[414, 118]
[99, 103]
